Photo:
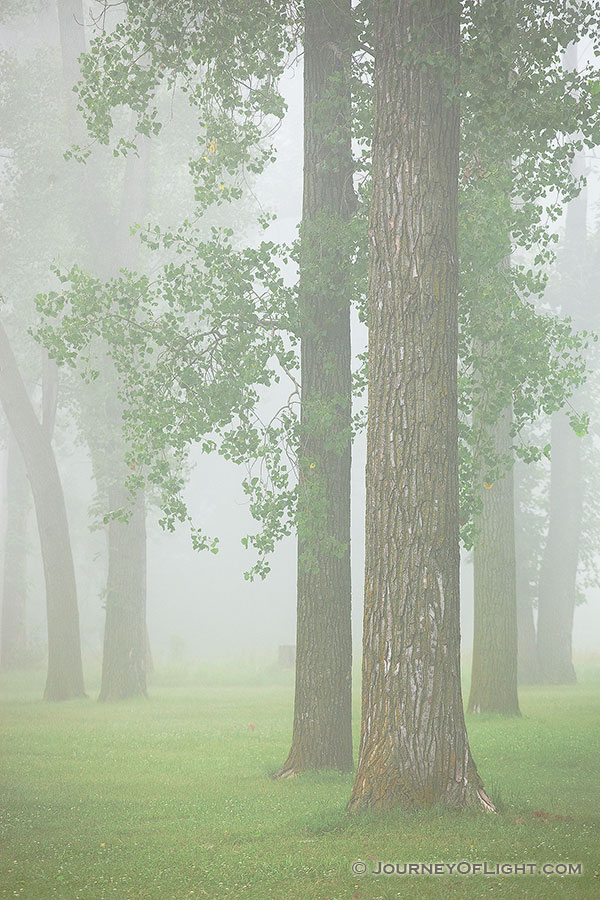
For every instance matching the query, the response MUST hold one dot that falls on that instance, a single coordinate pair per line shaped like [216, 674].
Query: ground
[171, 798]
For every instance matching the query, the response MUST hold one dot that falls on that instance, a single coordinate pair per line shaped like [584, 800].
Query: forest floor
[171, 798]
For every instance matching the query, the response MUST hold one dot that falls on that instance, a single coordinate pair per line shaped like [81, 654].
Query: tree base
[285, 772]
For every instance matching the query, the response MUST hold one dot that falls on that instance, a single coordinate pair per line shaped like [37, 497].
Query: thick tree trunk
[414, 750]
[124, 661]
[13, 646]
[65, 674]
[322, 735]
[494, 667]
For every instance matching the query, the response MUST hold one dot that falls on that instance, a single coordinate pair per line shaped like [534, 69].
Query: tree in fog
[524, 363]
[13, 627]
[105, 245]
[34, 439]
[561, 557]
[322, 737]
[65, 673]
[414, 749]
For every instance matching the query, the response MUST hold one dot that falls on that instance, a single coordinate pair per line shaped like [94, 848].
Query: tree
[109, 245]
[558, 570]
[65, 673]
[528, 526]
[414, 749]
[512, 127]
[322, 737]
[494, 668]
[13, 633]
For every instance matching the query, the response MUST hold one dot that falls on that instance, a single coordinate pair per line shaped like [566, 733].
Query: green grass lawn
[171, 798]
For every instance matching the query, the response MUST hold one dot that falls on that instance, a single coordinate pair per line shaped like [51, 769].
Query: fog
[299, 449]
[200, 608]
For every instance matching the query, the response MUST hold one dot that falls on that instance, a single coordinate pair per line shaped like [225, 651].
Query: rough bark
[13, 645]
[65, 674]
[124, 660]
[414, 750]
[322, 733]
[558, 572]
[494, 666]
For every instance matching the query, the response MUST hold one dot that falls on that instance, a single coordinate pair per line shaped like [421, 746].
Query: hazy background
[199, 605]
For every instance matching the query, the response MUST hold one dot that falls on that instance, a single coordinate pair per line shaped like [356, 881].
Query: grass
[171, 798]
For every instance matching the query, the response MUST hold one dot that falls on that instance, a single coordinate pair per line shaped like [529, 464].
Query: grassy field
[171, 798]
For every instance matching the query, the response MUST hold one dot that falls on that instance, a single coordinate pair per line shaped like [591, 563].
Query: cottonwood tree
[105, 243]
[513, 63]
[65, 675]
[322, 737]
[561, 556]
[13, 630]
[414, 749]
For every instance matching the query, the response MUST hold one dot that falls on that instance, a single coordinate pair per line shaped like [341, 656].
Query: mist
[300, 445]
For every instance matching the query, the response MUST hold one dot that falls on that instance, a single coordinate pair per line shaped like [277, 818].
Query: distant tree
[65, 674]
[104, 241]
[13, 629]
[530, 524]
[512, 62]
[560, 561]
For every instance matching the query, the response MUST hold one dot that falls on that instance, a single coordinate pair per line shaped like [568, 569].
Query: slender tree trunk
[13, 646]
[494, 668]
[65, 673]
[527, 669]
[526, 650]
[322, 735]
[558, 572]
[559, 563]
[124, 664]
[125, 636]
[149, 658]
[414, 750]
[111, 247]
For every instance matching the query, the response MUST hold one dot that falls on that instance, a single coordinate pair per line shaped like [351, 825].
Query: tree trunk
[13, 647]
[527, 671]
[125, 655]
[111, 247]
[558, 572]
[559, 563]
[149, 658]
[65, 673]
[526, 565]
[414, 750]
[494, 667]
[322, 734]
